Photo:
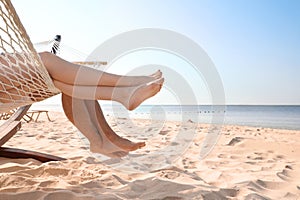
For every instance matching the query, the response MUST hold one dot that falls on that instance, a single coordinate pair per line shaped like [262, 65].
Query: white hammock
[23, 78]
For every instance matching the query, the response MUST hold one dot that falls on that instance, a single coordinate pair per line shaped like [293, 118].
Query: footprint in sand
[222, 156]
[258, 156]
[174, 143]
[164, 132]
[271, 185]
[289, 174]
[235, 140]
[48, 184]
[40, 137]
[149, 129]
[256, 197]
[169, 174]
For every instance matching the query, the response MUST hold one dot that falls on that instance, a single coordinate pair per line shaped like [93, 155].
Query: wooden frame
[9, 128]
[29, 116]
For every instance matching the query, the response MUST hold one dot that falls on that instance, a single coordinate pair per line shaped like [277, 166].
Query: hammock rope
[23, 77]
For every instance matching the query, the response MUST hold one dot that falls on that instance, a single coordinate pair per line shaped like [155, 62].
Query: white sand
[247, 163]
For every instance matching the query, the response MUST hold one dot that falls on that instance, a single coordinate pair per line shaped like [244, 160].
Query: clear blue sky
[255, 44]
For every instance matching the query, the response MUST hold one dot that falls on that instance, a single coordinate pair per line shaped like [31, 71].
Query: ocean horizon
[266, 116]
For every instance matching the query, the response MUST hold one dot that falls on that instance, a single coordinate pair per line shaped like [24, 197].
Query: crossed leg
[130, 97]
[98, 118]
[81, 118]
[73, 74]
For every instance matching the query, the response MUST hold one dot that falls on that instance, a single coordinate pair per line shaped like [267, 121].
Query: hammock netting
[23, 78]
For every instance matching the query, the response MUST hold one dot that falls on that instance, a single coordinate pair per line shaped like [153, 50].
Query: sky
[254, 44]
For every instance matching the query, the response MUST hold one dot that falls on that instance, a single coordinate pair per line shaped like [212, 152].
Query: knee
[45, 57]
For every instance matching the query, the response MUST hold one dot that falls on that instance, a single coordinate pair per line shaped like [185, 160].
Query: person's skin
[97, 116]
[74, 74]
[99, 122]
[81, 118]
[130, 97]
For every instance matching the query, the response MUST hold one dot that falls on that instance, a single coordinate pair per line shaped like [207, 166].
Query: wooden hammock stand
[9, 128]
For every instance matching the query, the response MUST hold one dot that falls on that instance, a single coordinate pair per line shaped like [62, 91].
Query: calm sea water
[283, 117]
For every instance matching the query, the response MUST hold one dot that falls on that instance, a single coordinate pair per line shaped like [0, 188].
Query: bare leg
[99, 119]
[81, 118]
[74, 74]
[130, 97]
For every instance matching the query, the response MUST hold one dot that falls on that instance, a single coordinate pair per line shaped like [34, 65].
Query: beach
[246, 163]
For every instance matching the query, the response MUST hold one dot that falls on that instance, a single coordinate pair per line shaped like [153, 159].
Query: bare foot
[108, 150]
[142, 93]
[99, 119]
[156, 75]
[124, 143]
[131, 81]
[82, 119]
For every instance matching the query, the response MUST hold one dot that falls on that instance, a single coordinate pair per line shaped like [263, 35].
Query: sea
[266, 116]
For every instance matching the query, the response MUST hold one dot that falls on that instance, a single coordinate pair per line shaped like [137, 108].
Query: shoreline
[278, 117]
[109, 115]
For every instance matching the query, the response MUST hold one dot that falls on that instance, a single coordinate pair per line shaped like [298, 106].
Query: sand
[246, 163]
